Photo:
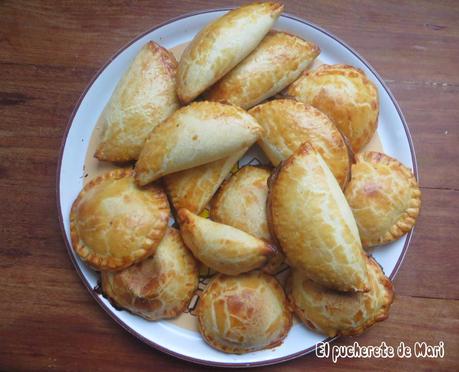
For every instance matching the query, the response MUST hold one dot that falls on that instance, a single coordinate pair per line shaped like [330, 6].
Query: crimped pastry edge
[110, 263]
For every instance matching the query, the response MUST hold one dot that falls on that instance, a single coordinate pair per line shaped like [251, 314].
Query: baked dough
[243, 314]
[274, 64]
[159, 287]
[193, 188]
[384, 197]
[144, 97]
[310, 217]
[221, 247]
[337, 313]
[241, 203]
[114, 223]
[288, 123]
[221, 45]
[346, 95]
[197, 134]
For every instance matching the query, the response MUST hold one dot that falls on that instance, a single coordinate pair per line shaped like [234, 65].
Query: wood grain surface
[50, 50]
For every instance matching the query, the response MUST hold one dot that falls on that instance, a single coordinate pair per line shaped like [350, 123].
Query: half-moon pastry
[346, 95]
[384, 197]
[144, 97]
[274, 64]
[114, 223]
[241, 203]
[221, 247]
[193, 188]
[159, 287]
[341, 313]
[244, 313]
[197, 134]
[221, 45]
[288, 123]
[313, 223]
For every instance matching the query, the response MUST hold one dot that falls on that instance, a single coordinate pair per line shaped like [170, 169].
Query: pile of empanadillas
[186, 125]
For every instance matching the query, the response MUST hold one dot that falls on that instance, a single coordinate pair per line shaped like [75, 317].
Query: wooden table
[49, 51]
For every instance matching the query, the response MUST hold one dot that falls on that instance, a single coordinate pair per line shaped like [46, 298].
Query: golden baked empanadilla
[244, 313]
[160, 286]
[193, 188]
[274, 64]
[341, 313]
[114, 223]
[221, 247]
[197, 134]
[144, 97]
[346, 95]
[384, 197]
[288, 123]
[241, 203]
[313, 223]
[221, 45]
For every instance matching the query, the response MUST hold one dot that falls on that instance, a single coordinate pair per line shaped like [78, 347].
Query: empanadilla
[338, 313]
[313, 223]
[197, 134]
[193, 188]
[221, 45]
[159, 287]
[241, 203]
[144, 97]
[221, 247]
[384, 197]
[288, 123]
[274, 64]
[346, 95]
[114, 223]
[244, 313]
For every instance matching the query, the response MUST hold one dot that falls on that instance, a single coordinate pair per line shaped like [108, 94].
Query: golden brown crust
[313, 223]
[337, 313]
[143, 98]
[241, 203]
[288, 123]
[384, 196]
[160, 286]
[114, 224]
[193, 188]
[277, 61]
[222, 247]
[197, 134]
[221, 45]
[243, 314]
[346, 95]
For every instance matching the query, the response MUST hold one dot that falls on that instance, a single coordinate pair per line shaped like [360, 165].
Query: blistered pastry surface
[244, 313]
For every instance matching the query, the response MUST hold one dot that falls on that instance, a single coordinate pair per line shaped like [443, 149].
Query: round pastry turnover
[159, 287]
[384, 197]
[245, 313]
[288, 123]
[114, 223]
[341, 313]
[346, 95]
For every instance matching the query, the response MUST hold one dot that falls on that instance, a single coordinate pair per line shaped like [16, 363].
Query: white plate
[163, 335]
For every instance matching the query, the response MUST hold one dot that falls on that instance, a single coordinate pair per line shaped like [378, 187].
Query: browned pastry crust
[384, 196]
[222, 247]
[114, 223]
[288, 123]
[340, 313]
[313, 223]
[160, 286]
[143, 98]
[241, 203]
[346, 95]
[245, 313]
